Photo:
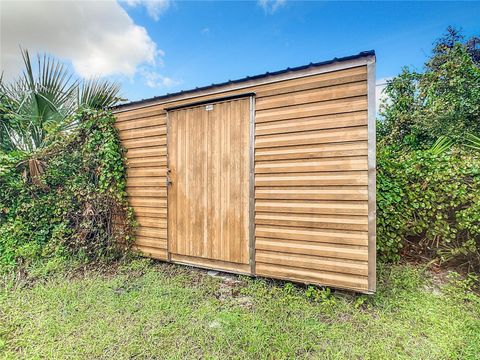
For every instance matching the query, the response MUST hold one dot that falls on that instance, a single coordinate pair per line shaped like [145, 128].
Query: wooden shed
[270, 175]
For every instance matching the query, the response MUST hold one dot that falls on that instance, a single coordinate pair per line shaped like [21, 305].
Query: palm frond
[473, 141]
[98, 94]
[440, 146]
[44, 98]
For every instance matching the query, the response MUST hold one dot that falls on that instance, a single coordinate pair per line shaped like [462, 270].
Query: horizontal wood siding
[310, 177]
[144, 137]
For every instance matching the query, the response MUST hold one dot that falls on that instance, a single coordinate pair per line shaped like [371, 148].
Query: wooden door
[208, 197]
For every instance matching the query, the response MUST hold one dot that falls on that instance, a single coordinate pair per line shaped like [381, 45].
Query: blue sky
[207, 42]
[155, 47]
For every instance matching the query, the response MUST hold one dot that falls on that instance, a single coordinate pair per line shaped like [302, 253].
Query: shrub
[443, 100]
[429, 204]
[68, 198]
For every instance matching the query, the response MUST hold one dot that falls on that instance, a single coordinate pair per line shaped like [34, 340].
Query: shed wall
[311, 177]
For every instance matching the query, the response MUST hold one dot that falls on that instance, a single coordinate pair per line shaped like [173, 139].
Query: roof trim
[334, 64]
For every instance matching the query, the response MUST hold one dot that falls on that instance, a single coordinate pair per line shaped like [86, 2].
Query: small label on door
[209, 107]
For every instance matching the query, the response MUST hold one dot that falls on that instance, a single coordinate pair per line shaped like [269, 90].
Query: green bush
[68, 198]
[429, 204]
[443, 100]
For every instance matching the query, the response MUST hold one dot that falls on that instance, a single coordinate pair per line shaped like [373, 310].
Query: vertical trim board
[372, 190]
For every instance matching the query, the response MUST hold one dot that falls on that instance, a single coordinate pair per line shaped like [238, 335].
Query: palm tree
[41, 102]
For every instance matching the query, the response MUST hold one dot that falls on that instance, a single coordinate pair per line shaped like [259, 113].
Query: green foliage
[323, 296]
[444, 100]
[429, 202]
[473, 142]
[463, 287]
[428, 191]
[41, 103]
[441, 145]
[71, 205]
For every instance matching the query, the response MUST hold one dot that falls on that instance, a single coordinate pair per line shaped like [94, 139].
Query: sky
[159, 47]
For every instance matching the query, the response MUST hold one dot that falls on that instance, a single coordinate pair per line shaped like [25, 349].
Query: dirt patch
[229, 289]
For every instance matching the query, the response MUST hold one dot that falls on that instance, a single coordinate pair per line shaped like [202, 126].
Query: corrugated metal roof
[249, 78]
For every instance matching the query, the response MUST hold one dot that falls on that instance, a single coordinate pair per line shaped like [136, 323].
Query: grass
[150, 310]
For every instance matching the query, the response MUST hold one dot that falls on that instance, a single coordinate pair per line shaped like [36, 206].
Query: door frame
[206, 263]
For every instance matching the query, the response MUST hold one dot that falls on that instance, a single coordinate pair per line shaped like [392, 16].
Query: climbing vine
[68, 199]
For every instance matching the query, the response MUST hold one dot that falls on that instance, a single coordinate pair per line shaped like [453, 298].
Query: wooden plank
[143, 172]
[354, 148]
[335, 251]
[152, 252]
[142, 143]
[147, 181]
[312, 95]
[140, 113]
[197, 119]
[155, 151]
[144, 132]
[339, 222]
[314, 235]
[151, 242]
[148, 202]
[313, 179]
[312, 82]
[352, 104]
[160, 161]
[312, 137]
[313, 193]
[331, 121]
[153, 191]
[309, 165]
[152, 232]
[144, 221]
[313, 207]
[150, 211]
[140, 122]
[313, 262]
[309, 276]
[216, 190]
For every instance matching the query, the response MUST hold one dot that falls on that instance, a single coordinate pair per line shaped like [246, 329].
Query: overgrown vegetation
[428, 183]
[166, 311]
[429, 204]
[71, 206]
[443, 100]
[62, 174]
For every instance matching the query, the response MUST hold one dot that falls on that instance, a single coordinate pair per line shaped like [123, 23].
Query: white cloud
[155, 80]
[98, 37]
[270, 6]
[155, 8]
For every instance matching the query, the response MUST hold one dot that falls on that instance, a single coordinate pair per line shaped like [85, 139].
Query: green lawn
[150, 310]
